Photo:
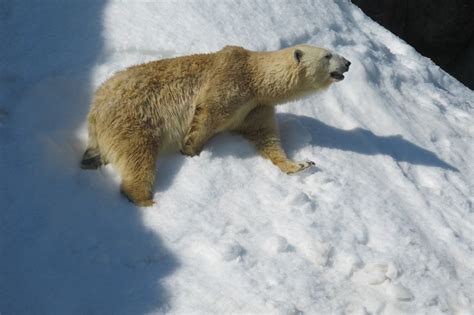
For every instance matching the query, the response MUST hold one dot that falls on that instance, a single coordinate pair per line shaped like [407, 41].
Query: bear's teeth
[336, 75]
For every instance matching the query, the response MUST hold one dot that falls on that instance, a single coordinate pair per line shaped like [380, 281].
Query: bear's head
[319, 67]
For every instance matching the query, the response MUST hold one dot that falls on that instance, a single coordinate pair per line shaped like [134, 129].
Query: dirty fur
[180, 103]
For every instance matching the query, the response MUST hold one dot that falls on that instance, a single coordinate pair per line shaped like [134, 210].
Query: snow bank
[385, 226]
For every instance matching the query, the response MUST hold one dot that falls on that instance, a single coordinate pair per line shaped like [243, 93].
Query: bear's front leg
[260, 128]
[193, 143]
[200, 131]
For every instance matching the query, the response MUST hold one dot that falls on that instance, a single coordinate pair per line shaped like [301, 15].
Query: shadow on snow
[362, 141]
[69, 244]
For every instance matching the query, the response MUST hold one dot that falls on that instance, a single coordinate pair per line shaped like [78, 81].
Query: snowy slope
[386, 226]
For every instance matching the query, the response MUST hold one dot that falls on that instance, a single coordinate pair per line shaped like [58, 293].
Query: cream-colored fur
[180, 103]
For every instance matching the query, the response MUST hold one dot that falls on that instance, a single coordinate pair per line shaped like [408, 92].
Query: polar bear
[180, 103]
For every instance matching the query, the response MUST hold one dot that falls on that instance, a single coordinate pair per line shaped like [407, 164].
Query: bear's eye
[328, 56]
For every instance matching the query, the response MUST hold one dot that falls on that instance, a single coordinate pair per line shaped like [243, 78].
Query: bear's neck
[275, 78]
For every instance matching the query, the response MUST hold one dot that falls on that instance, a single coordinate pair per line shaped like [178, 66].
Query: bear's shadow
[294, 130]
[356, 140]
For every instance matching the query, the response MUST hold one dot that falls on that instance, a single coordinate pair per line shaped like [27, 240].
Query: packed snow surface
[384, 225]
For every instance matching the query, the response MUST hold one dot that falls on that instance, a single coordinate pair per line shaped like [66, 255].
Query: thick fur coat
[180, 103]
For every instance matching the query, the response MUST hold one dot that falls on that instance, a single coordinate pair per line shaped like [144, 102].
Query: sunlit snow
[385, 225]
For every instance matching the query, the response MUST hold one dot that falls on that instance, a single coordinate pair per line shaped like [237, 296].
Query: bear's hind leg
[137, 168]
[138, 192]
[91, 159]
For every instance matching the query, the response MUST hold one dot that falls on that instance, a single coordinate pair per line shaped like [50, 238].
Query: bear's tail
[91, 159]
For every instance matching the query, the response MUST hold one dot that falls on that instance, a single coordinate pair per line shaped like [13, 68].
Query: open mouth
[337, 75]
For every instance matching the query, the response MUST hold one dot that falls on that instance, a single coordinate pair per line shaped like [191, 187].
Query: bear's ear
[297, 54]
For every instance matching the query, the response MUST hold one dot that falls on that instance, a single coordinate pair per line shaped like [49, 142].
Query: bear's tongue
[336, 75]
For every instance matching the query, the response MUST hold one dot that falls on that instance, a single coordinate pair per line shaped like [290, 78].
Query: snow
[384, 225]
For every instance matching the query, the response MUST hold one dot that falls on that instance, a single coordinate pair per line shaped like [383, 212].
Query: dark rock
[439, 29]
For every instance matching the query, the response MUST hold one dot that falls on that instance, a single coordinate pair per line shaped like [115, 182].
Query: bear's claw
[189, 152]
[303, 166]
[307, 164]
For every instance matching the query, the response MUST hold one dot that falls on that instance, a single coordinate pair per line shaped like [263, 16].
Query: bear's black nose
[348, 63]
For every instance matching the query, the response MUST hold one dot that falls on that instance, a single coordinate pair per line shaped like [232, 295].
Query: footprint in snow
[319, 253]
[278, 244]
[346, 264]
[298, 199]
[397, 292]
[374, 274]
[381, 276]
[321, 180]
[300, 202]
[361, 234]
[231, 250]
